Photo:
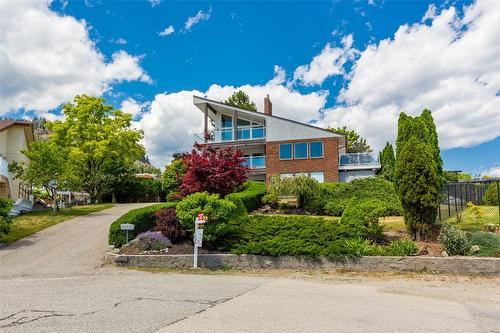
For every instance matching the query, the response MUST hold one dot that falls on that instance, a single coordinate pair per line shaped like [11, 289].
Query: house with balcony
[274, 146]
[15, 136]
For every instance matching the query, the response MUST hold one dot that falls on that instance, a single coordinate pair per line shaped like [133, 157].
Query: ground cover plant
[32, 222]
[152, 241]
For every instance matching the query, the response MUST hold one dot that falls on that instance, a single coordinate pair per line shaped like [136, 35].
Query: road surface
[54, 281]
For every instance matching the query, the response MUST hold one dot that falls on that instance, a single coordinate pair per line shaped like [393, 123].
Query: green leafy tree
[355, 143]
[172, 177]
[418, 176]
[241, 100]
[94, 134]
[387, 162]
[48, 167]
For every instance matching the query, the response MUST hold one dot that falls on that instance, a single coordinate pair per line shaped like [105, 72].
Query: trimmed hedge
[142, 218]
[293, 235]
[251, 196]
[334, 197]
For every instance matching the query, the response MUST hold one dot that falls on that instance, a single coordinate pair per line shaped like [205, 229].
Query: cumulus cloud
[167, 31]
[492, 172]
[328, 63]
[450, 65]
[172, 120]
[46, 59]
[131, 106]
[200, 16]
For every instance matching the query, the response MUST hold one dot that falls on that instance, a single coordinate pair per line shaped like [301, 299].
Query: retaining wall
[460, 265]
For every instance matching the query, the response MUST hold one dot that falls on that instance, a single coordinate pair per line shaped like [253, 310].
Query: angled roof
[4, 124]
[198, 101]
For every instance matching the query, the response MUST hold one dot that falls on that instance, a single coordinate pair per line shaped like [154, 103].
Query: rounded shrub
[152, 241]
[454, 241]
[168, 224]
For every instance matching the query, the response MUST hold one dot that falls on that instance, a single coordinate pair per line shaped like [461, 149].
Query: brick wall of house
[329, 164]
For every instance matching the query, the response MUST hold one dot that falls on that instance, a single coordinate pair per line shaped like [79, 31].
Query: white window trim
[311, 172]
[322, 149]
[307, 151]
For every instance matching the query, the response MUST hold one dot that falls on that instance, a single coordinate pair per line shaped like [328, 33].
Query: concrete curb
[459, 265]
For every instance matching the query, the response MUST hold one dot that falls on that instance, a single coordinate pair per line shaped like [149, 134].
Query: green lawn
[29, 223]
[467, 221]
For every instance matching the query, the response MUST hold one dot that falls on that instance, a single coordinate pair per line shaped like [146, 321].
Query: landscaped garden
[393, 214]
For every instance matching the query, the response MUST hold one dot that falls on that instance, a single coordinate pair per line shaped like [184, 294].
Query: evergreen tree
[355, 143]
[387, 162]
[418, 172]
[241, 100]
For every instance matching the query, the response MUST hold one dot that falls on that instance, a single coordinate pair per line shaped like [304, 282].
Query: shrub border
[455, 265]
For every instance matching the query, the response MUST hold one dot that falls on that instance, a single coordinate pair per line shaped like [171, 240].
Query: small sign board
[127, 226]
[198, 237]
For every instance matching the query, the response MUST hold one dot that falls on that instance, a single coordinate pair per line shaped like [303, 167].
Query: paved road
[46, 286]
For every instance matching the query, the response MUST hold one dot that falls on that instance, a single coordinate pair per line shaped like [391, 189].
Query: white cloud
[430, 14]
[200, 16]
[492, 172]
[131, 106]
[451, 66]
[172, 120]
[46, 59]
[168, 31]
[154, 3]
[328, 63]
[119, 41]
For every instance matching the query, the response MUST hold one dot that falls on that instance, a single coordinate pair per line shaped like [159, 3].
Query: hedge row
[334, 197]
[142, 218]
[251, 196]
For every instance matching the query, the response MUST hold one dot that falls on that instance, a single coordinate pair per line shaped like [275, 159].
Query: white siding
[281, 130]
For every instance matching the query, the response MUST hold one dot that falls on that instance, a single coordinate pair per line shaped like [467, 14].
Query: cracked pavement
[54, 281]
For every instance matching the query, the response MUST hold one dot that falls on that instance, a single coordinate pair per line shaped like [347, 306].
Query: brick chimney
[268, 106]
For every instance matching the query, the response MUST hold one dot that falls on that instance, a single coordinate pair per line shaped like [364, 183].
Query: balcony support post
[235, 117]
[205, 126]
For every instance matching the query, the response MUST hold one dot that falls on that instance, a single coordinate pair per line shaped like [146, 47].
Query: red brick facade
[329, 163]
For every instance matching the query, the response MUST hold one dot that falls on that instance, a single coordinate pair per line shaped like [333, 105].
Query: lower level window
[319, 176]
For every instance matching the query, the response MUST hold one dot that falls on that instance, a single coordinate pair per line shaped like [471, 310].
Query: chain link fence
[473, 204]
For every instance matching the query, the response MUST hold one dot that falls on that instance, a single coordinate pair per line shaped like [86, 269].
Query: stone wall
[460, 265]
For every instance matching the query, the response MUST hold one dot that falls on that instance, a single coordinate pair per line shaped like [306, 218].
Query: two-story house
[275, 146]
[15, 136]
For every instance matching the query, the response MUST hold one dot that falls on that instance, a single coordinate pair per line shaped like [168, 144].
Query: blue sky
[354, 63]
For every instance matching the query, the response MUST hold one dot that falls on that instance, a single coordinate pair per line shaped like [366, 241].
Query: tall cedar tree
[355, 143]
[241, 100]
[213, 170]
[418, 172]
[387, 162]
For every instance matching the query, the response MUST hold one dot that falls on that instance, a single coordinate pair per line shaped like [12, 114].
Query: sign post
[127, 227]
[198, 236]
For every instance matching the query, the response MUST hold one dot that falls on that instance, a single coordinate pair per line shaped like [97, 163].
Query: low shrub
[361, 247]
[302, 187]
[294, 236]
[403, 247]
[142, 218]
[251, 195]
[363, 215]
[152, 241]
[454, 241]
[271, 200]
[489, 243]
[490, 197]
[168, 224]
[218, 211]
[5, 220]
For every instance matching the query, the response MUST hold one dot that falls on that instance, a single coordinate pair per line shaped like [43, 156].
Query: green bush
[361, 247]
[490, 197]
[5, 220]
[271, 200]
[363, 215]
[142, 218]
[251, 196]
[488, 243]
[218, 211]
[302, 187]
[294, 236]
[332, 198]
[401, 248]
[454, 241]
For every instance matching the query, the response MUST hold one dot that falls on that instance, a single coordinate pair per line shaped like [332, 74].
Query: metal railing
[241, 134]
[255, 162]
[359, 159]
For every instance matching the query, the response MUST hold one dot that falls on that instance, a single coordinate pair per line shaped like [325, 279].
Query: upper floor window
[300, 150]
[285, 151]
[226, 121]
[316, 149]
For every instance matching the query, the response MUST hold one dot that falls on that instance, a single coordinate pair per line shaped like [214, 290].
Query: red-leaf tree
[213, 170]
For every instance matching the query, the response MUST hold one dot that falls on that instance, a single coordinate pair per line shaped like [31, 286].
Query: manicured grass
[29, 223]
[468, 222]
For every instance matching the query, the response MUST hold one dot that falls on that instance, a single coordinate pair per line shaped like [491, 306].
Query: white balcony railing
[255, 162]
[359, 160]
[241, 134]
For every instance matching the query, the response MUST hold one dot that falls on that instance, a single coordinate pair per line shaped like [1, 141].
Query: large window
[300, 150]
[285, 151]
[227, 121]
[319, 176]
[316, 149]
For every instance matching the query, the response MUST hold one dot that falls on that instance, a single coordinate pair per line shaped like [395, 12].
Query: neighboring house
[15, 136]
[275, 146]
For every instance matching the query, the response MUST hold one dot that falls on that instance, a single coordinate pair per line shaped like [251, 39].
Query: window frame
[322, 149]
[295, 150]
[322, 172]
[291, 152]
